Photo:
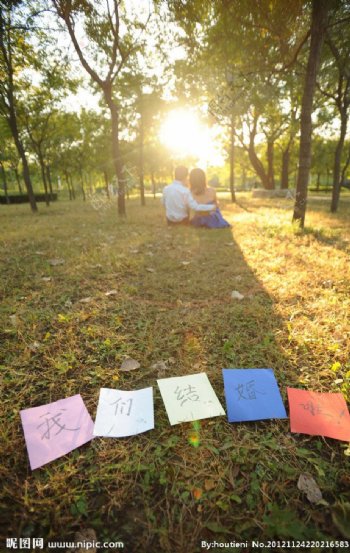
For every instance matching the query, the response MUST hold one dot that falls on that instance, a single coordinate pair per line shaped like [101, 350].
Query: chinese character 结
[185, 394]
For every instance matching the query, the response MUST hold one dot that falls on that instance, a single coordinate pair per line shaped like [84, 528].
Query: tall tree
[112, 49]
[320, 12]
[335, 85]
[15, 54]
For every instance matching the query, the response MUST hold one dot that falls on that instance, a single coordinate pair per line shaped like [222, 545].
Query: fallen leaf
[209, 484]
[54, 262]
[150, 270]
[34, 346]
[229, 244]
[129, 364]
[46, 279]
[14, 320]
[197, 493]
[40, 253]
[185, 262]
[111, 293]
[308, 485]
[235, 295]
[86, 300]
[160, 366]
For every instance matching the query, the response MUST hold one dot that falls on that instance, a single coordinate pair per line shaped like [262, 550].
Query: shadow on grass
[171, 488]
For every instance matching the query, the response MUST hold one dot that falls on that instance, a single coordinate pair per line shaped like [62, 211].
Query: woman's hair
[197, 181]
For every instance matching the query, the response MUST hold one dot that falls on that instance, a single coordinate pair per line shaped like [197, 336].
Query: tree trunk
[82, 185]
[153, 185]
[118, 167]
[68, 185]
[244, 178]
[270, 164]
[43, 178]
[49, 180]
[318, 28]
[72, 187]
[105, 175]
[18, 180]
[337, 161]
[5, 182]
[232, 162]
[318, 182]
[285, 169]
[253, 158]
[141, 164]
[258, 166]
[21, 152]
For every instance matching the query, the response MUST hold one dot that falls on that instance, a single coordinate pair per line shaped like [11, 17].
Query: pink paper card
[319, 414]
[55, 429]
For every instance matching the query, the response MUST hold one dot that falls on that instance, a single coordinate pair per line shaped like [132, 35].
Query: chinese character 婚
[54, 422]
[185, 394]
[247, 391]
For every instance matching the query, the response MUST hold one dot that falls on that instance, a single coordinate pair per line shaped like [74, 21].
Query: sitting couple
[178, 200]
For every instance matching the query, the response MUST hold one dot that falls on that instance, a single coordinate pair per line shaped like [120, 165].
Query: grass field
[171, 488]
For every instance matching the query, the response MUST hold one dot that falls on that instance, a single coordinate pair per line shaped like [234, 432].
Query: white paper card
[122, 413]
[189, 398]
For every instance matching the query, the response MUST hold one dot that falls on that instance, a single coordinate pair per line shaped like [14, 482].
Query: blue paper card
[252, 394]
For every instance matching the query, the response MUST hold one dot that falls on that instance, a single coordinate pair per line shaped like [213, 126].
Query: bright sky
[185, 135]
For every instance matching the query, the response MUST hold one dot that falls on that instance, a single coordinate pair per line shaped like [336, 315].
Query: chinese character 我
[54, 422]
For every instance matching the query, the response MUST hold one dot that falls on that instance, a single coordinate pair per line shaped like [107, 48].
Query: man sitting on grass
[178, 199]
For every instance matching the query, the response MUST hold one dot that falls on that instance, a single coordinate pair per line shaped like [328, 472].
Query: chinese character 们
[54, 422]
[247, 391]
[120, 406]
[189, 392]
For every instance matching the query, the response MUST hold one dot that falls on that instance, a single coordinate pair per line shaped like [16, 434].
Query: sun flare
[184, 134]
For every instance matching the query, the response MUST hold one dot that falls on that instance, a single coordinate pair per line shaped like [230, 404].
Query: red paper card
[319, 414]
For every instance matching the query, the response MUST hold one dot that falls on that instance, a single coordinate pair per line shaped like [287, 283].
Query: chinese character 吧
[314, 409]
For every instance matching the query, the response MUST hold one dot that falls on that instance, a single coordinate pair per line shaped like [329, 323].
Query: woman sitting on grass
[205, 195]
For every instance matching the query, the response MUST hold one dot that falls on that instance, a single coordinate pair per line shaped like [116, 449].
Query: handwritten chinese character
[314, 409]
[119, 407]
[247, 391]
[188, 393]
[54, 422]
